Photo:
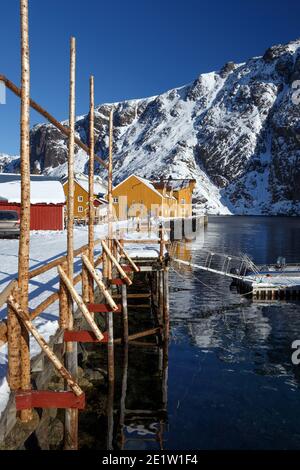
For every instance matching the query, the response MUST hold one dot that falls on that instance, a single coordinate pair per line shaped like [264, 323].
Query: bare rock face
[236, 131]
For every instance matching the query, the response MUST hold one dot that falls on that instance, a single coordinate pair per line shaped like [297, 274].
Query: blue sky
[135, 48]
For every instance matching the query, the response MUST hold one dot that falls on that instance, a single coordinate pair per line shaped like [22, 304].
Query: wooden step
[102, 308]
[83, 336]
[48, 399]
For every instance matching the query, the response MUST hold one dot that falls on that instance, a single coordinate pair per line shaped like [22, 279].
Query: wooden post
[23, 270]
[110, 192]
[91, 188]
[161, 245]
[85, 282]
[14, 351]
[125, 313]
[71, 415]
[63, 301]
[166, 302]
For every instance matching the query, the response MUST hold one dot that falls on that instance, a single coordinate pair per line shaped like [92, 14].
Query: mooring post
[23, 268]
[71, 415]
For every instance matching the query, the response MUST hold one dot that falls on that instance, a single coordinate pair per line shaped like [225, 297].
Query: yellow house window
[116, 200]
[183, 201]
[80, 199]
[80, 209]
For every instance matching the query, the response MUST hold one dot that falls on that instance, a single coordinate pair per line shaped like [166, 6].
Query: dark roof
[8, 177]
[174, 184]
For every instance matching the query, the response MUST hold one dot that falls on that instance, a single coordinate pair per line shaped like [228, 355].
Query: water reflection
[237, 387]
[143, 399]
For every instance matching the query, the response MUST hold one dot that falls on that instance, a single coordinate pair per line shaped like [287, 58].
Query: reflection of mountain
[260, 335]
[248, 325]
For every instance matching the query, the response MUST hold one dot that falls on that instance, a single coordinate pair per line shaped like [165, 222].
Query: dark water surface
[231, 380]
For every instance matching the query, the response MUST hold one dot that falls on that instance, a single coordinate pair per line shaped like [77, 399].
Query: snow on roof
[41, 192]
[144, 181]
[100, 186]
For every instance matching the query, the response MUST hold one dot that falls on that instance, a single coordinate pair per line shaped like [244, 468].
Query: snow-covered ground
[44, 248]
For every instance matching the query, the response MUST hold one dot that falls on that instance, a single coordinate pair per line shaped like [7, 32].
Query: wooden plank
[43, 344]
[83, 336]
[49, 399]
[102, 308]
[146, 241]
[142, 334]
[134, 296]
[81, 305]
[117, 282]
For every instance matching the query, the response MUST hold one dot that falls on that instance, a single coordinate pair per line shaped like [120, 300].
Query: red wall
[43, 216]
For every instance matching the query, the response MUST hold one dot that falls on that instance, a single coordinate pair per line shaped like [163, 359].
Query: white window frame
[80, 209]
[80, 198]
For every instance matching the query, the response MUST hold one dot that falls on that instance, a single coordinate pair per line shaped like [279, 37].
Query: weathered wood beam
[63, 129]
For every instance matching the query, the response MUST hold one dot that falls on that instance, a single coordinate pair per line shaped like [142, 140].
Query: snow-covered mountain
[236, 131]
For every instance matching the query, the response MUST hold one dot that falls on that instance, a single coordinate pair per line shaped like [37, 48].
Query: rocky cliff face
[237, 131]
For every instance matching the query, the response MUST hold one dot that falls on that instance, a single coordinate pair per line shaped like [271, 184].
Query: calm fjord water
[231, 383]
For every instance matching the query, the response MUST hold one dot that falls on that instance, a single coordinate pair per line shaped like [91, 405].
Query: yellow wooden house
[182, 190]
[139, 197]
[81, 195]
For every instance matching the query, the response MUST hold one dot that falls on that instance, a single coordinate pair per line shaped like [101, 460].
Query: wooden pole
[23, 271]
[93, 273]
[81, 305]
[63, 129]
[113, 260]
[166, 303]
[91, 187]
[125, 313]
[85, 282]
[110, 192]
[14, 352]
[71, 415]
[63, 302]
[126, 255]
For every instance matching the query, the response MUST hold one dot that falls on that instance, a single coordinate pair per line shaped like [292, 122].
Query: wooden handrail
[126, 255]
[117, 265]
[43, 269]
[99, 283]
[7, 291]
[41, 307]
[43, 344]
[81, 305]
[63, 129]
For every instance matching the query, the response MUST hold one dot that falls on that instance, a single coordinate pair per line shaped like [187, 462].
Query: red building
[47, 200]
